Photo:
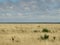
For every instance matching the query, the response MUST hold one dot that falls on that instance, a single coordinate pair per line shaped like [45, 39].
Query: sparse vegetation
[3, 30]
[33, 34]
[38, 26]
[36, 31]
[54, 37]
[15, 39]
[12, 39]
[45, 30]
[45, 37]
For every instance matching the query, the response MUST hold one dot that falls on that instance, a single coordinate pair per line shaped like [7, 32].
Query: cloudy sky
[30, 10]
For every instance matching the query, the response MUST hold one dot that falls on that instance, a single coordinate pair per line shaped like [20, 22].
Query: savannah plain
[29, 34]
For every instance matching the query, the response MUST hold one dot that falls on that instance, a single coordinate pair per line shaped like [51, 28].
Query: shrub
[12, 39]
[54, 38]
[38, 26]
[3, 30]
[45, 37]
[45, 30]
[36, 31]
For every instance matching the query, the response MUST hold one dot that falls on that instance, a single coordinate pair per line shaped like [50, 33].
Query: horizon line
[29, 22]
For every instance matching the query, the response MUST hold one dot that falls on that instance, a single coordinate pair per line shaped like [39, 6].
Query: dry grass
[29, 34]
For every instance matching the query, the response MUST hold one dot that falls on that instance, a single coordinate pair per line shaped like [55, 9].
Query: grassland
[29, 34]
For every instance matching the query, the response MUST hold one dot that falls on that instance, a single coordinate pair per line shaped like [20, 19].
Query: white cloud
[29, 6]
[19, 14]
[48, 9]
[9, 14]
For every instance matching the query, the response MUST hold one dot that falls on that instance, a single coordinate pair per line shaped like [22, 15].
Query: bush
[54, 38]
[45, 30]
[45, 37]
[3, 30]
[36, 31]
[38, 26]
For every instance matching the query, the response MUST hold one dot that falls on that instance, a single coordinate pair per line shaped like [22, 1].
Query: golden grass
[29, 34]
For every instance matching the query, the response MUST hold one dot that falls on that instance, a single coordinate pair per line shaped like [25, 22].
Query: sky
[29, 10]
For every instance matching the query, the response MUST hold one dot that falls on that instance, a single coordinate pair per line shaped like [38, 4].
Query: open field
[29, 34]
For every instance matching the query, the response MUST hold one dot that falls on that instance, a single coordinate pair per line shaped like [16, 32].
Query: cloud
[32, 10]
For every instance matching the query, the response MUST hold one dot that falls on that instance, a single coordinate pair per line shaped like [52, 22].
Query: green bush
[45, 30]
[45, 37]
